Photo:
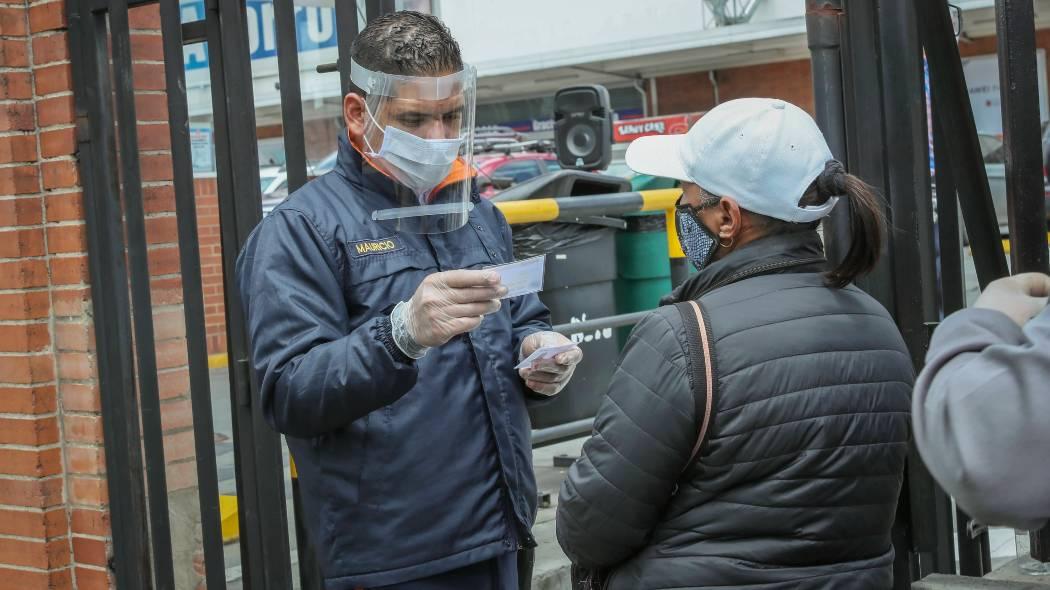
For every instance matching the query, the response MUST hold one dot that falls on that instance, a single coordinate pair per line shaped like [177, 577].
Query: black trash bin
[579, 285]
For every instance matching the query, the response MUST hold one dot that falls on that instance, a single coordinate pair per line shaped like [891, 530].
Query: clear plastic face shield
[419, 134]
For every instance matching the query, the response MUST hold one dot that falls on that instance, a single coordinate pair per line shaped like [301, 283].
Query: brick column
[54, 512]
[43, 315]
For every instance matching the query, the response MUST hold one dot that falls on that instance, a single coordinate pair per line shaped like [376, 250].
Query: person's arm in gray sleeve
[316, 374]
[982, 414]
[644, 433]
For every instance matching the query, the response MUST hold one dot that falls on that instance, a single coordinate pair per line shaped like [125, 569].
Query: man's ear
[354, 115]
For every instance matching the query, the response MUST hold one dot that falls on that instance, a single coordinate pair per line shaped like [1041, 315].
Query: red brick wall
[54, 505]
[48, 392]
[207, 194]
[791, 81]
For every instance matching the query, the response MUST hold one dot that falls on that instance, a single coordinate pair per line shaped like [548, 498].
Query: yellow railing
[545, 209]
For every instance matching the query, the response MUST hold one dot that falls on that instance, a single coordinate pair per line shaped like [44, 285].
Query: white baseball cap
[763, 153]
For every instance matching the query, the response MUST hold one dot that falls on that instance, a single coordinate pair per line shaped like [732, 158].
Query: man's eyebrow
[425, 114]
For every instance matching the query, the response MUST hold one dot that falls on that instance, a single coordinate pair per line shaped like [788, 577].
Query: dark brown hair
[407, 43]
[866, 220]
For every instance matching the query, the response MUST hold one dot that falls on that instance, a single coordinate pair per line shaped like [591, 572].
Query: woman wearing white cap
[796, 381]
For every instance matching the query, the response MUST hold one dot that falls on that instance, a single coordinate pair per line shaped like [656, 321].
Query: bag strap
[701, 365]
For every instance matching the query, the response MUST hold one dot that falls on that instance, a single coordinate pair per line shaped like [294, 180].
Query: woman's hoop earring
[729, 245]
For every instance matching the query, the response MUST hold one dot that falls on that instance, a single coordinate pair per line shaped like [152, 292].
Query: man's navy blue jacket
[408, 468]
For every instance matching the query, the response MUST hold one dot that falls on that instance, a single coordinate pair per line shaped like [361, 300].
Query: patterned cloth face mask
[697, 241]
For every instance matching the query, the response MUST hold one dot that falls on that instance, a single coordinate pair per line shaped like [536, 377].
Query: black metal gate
[868, 77]
[120, 280]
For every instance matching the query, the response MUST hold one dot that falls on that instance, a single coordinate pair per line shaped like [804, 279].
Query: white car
[995, 168]
[276, 190]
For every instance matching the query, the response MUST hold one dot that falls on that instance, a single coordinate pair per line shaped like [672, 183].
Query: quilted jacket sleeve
[644, 433]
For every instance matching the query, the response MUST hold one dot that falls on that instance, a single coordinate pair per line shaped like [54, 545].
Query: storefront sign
[629, 130]
[201, 150]
[982, 81]
[314, 29]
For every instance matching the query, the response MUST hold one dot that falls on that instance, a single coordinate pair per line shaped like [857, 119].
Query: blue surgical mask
[697, 241]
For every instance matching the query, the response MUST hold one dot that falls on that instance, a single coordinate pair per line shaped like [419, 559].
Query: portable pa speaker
[583, 127]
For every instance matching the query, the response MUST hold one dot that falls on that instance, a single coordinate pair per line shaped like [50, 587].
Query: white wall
[491, 31]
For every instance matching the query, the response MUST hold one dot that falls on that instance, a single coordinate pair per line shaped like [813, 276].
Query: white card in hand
[522, 277]
[544, 353]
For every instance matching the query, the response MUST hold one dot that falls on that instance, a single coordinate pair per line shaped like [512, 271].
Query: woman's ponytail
[866, 220]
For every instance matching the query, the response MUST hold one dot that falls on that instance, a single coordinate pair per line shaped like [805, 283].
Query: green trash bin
[642, 265]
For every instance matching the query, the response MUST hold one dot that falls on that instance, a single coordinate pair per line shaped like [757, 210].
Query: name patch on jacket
[371, 247]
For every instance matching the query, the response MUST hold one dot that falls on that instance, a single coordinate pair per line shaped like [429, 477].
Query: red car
[498, 171]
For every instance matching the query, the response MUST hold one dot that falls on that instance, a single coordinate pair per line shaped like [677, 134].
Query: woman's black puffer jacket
[797, 484]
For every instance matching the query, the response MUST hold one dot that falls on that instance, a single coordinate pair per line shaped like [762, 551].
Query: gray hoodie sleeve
[982, 415]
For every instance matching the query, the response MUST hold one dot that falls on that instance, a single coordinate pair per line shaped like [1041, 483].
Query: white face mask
[420, 164]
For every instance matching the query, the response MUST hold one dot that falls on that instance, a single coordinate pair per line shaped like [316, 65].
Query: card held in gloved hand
[521, 277]
[543, 354]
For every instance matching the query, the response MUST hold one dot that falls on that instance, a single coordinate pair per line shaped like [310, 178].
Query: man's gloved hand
[1021, 297]
[451, 303]
[548, 377]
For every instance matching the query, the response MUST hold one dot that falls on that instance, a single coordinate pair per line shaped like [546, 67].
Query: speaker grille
[581, 140]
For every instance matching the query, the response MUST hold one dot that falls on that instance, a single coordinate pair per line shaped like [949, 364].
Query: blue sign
[314, 29]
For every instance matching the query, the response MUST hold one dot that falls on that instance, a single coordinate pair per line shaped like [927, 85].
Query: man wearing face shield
[384, 351]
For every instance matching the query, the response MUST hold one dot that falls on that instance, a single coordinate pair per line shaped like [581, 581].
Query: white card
[544, 353]
[522, 277]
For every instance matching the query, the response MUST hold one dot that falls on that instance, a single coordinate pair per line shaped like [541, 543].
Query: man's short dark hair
[407, 43]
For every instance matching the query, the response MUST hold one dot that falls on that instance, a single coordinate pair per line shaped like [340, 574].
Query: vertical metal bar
[905, 141]
[372, 10]
[110, 301]
[943, 58]
[956, 116]
[263, 519]
[824, 25]
[295, 153]
[862, 90]
[141, 301]
[975, 554]
[346, 31]
[953, 285]
[377, 8]
[908, 182]
[1026, 204]
[192, 296]
[1039, 544]
[291, 97]
[309, 570]
[865, 122]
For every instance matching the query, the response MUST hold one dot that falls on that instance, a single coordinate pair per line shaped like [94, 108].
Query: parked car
[500, 171]
[276, 191]
[267, 174]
